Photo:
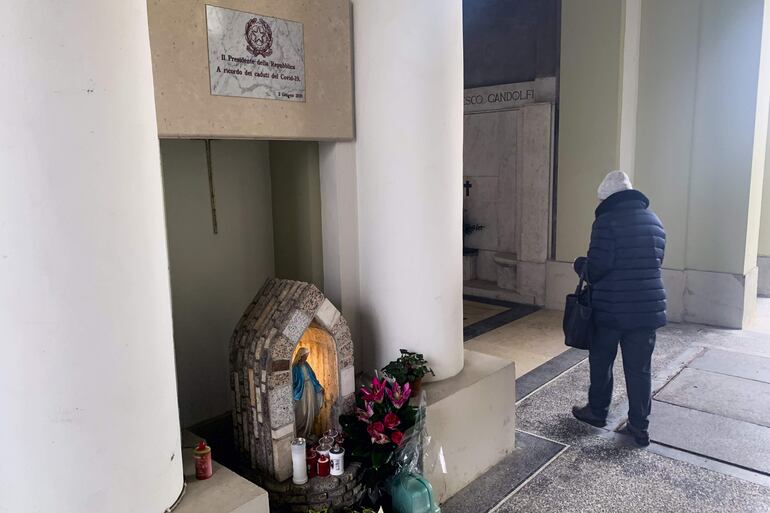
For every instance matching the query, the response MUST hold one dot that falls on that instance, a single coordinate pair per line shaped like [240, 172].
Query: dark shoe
[642, 438]
[585, 414]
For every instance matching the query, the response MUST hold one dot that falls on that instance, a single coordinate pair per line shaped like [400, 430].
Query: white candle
[298, 461]
[337, 456]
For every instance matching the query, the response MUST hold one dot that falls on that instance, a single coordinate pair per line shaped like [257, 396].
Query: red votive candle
[312, 463]
[202, 456]
[323, 466]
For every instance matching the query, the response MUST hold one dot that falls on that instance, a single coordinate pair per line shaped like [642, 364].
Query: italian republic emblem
[259, 38]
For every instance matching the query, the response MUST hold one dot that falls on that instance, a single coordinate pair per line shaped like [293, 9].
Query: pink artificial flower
[381, 439]
[391, 420]
[365, 414]
[378, 384]
[376, 427]
[376, 394]
[376, 432]
[398, 395]
[397, 437]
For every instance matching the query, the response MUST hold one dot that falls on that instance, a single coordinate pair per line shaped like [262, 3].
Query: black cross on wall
[467, 185]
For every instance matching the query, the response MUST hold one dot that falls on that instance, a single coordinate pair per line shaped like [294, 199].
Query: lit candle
[323, 450]
[298, 461]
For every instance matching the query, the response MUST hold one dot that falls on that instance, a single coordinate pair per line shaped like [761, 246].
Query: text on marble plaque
[255, 56]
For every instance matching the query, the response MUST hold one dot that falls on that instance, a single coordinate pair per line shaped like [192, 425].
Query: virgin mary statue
[308, 393]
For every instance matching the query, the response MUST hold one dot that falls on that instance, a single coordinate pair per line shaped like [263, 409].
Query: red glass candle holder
[312, 463]
[324, 467]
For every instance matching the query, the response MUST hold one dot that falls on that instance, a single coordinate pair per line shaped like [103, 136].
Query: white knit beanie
[615, 181]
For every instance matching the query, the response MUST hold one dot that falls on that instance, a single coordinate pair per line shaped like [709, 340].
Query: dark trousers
[637, 347]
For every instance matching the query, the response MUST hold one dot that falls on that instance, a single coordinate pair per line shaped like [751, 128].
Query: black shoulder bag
[577, 324]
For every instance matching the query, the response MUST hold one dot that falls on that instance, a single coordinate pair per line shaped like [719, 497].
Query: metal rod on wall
[212, 197]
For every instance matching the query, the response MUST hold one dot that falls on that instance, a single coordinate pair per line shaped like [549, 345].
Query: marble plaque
[255, 56]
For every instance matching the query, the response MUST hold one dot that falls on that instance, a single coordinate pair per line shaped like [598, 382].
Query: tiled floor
[490, 289]
[602, 471]
[474, 312]
[718, 406]
[531, 453]
[529, 341]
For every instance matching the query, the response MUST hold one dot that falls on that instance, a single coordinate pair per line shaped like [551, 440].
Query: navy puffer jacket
[624, 261]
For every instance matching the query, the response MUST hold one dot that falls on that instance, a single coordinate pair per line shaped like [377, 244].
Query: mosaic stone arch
[261, 352]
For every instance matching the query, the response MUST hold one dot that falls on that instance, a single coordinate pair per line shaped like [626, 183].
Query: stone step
[471, 419]
[224, 492]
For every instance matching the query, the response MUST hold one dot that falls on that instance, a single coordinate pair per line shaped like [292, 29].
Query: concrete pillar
[598, 94]
[702, 132]
[689, 119]
[597, 119]
[763, 247]
[763, 251]
[87, 386]
[409, 122]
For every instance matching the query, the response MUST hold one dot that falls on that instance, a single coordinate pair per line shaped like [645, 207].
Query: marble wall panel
[535, 182]
[481, 206]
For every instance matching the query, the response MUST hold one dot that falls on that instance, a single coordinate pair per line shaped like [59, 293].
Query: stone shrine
[284, 317]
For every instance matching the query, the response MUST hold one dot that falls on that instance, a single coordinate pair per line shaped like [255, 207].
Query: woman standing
[628, 299]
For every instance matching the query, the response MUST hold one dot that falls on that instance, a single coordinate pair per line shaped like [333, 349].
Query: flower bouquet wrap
[410, 491]
[387, 434]
[379, 428]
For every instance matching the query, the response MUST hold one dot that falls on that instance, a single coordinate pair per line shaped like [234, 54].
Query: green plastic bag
[412, 494]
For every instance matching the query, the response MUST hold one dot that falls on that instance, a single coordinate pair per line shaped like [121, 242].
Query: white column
[87, 388]
[339, 214]
[409, 85]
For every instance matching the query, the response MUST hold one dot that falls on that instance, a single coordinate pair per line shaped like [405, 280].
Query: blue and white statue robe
[308, 398]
